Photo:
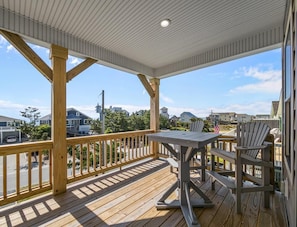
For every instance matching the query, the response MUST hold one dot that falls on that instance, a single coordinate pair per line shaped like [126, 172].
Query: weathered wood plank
[252, 210]
[127, 198]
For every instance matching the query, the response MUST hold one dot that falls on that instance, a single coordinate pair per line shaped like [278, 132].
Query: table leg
[184, 184]
[203, 165]
[161, 204]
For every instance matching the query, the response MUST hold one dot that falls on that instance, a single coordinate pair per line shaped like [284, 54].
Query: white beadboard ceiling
[126, 34]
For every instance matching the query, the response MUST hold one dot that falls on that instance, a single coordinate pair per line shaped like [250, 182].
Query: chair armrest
[241, 148]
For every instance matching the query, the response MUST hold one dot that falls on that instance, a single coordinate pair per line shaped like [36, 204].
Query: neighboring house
[164, 112]
[77, 123]
[173, 120]
[223, 118]
[140, 112]
[8, 128]
[214, 117]
[118, 110]
[242, 118]
[262, 116]
[228, 117]
[186, 117]
[274, 109]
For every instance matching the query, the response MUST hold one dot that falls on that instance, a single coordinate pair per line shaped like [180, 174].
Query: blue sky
[247, 85]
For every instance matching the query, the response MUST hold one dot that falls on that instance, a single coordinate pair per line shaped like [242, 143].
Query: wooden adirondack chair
[196, 126]
[199, 160]
[250, 150]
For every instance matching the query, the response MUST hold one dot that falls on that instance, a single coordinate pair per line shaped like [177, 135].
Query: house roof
[127, 34]
[8, 119]
[189, 114]
[49, 116]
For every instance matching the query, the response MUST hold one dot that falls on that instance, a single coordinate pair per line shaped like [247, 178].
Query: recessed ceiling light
[165, 23]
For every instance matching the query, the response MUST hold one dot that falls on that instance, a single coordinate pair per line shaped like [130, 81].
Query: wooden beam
[79, 68]
[59, 57]
[29, 54]
[146, 84]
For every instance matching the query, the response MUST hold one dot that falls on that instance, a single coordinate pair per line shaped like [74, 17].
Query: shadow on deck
[127, 198]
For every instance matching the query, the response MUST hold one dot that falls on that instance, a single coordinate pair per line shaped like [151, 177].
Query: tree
[164, 122]
[96, 126]
[43, 132]
[115, 122]
[30, 128]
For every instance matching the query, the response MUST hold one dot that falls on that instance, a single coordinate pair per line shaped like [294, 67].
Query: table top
[184, 138]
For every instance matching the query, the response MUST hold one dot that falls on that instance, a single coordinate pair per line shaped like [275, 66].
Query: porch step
[225, 181]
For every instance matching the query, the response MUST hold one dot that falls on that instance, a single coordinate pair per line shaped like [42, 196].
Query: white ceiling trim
[123, 34]
[248, 45]
[44, 35]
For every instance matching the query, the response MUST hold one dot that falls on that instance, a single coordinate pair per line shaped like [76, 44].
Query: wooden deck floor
[127, 198]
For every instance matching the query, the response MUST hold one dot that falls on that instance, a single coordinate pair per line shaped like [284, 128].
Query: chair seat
[246, 159]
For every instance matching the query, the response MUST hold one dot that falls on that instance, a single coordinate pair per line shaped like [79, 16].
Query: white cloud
[267, 81]
[10, 48]
[265, 87]
[2, 41]
[263, 75]
[260, 107]
[4, 104]
[74, 60]
[10, 109]
[166, 99]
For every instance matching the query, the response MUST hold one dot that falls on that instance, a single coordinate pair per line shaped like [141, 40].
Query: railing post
[59, 56]
[154, 112]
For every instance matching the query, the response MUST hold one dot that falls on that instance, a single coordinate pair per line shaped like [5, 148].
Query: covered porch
[218, 32]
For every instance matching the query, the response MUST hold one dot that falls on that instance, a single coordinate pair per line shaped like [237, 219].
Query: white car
[10, 139]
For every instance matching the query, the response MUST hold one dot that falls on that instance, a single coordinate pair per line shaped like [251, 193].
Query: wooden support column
[59, 56]
[154, 111]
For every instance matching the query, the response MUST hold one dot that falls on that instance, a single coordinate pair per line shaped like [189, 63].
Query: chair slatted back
[252, 134]
[196, 126]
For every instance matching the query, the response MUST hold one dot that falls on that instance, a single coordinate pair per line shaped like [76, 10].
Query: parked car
[10, 139]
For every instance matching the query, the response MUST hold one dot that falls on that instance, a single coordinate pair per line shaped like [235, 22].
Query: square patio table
[189, 142]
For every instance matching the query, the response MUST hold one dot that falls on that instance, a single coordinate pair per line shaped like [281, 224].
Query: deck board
[127, 198]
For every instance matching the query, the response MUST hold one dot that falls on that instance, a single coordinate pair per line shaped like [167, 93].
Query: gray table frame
[189, 142]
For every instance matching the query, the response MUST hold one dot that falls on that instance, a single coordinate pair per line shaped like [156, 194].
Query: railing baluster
[40, 168]
[5, 176]
[18, 163]
[73, 161]
[29, 171]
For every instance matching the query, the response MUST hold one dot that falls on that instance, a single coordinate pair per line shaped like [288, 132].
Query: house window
[77, 114]
[288, 100]
[287, 90]
[87, 121]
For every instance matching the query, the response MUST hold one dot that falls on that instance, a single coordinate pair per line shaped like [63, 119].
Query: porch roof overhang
[127, 35]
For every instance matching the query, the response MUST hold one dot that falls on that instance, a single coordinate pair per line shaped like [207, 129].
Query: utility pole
[103, 113]
[100, 110]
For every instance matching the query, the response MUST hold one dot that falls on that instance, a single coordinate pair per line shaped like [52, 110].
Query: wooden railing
[26, 168]
[93, 155]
